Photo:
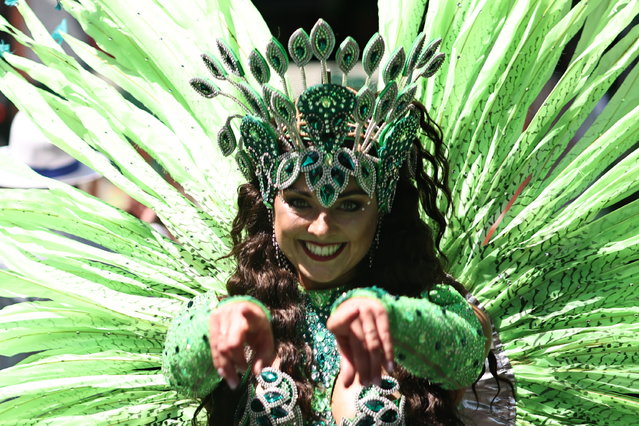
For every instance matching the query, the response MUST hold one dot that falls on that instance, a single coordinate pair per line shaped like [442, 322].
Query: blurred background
[357, 18]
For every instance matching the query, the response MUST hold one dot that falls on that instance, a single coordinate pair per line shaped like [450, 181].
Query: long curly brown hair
[406, 262]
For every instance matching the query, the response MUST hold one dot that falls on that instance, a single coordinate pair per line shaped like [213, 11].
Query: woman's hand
[362, 330]
[233, 326]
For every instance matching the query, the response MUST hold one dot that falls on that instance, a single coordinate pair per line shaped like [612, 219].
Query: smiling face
[325, 245]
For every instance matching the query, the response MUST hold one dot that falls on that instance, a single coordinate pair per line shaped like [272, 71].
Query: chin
[318, 278]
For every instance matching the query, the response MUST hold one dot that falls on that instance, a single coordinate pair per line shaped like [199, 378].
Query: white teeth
[328, 250]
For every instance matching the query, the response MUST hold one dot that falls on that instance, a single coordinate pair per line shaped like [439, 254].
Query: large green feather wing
[107, 283]
[537, 232]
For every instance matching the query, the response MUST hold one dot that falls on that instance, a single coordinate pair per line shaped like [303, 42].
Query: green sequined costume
[538, 231]
[437, 337]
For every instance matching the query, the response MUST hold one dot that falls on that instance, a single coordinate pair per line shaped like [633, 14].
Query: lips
[322, 252]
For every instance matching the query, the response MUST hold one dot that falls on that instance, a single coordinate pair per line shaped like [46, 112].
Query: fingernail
[220, 372]
[390, 366]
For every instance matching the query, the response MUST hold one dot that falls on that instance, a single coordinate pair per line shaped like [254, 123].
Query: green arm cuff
[437, 337]
[234, 299]
[187, 363]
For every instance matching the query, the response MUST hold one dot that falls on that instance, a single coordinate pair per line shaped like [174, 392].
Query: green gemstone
[278, 412]
[326, 194]
[387, 384]
[269, 376]
[315, 175]
[366, 421]
[257, 406]
[273, 396]
[389, 416]
[338, 177]
[375, 405]
[326, 102]
[300, 51]
[204, 88]
[322, 43]
[290, 167]
[346, 160]
[310, 159]
[263, 421]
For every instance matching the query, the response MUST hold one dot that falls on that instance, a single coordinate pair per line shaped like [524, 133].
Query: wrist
[370, 292]
[246, 298]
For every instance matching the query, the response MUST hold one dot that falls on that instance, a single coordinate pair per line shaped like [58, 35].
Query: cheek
[285, 230]
[286, 224]
[363, 231]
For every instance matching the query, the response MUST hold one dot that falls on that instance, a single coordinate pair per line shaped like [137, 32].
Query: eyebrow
[342, 195]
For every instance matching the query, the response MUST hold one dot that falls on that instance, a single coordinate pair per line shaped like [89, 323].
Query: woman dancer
[304, 285]
[543, 231]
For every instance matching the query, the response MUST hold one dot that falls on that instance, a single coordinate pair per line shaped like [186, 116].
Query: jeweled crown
[332, 131]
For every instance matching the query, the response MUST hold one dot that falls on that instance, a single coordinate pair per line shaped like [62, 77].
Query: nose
[320, 225]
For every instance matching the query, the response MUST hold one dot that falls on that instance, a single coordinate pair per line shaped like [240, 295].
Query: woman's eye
[297, 203]
[350, 206]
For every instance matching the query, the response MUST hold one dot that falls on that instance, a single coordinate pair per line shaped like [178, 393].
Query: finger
[361, 361]
[229, 339]
[339, 321]
[373, 345]
[219, 344]
[383, 330]
[218, 340]
[263, 350]
[347, 369]
[236, 339]
[260, 339]
[214, 327]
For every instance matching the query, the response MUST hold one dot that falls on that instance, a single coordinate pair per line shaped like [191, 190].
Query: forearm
[437, 337]
[186, 361]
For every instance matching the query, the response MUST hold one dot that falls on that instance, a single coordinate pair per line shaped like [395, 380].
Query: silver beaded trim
[373, 405]
[271, 397]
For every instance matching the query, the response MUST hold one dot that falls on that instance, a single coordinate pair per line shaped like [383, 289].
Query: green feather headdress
[330, 133]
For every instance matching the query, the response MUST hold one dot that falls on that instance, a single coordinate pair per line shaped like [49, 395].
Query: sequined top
[437, 337]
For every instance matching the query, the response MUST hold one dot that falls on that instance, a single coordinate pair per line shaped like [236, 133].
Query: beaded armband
[273, 401]
[375, 407]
